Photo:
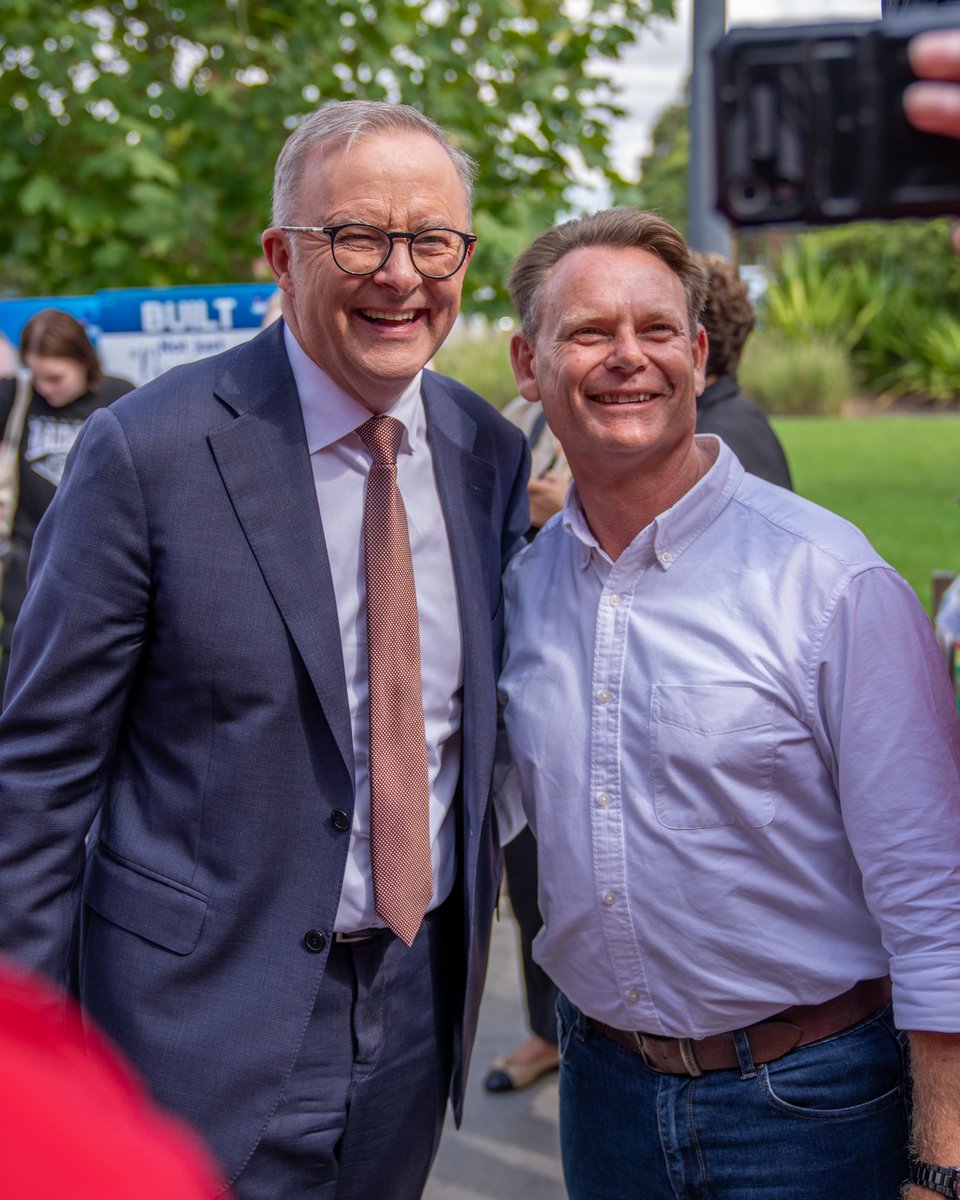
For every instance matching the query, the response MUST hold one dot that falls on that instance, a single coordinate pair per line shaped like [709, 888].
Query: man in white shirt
[738, 750]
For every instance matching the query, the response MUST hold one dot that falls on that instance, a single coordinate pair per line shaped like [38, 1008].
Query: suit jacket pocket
[158, 909]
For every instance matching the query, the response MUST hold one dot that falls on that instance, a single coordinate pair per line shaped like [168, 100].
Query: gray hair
[341, 123]
[626, 227]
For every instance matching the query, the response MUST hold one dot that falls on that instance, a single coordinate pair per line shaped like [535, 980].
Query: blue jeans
[828, 1121]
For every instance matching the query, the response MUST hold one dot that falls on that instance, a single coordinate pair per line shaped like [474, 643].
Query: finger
[936, 55]
[934, 107]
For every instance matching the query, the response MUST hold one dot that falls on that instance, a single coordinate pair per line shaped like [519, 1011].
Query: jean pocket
[712, 749]
[567, 1021]
[850, 1074]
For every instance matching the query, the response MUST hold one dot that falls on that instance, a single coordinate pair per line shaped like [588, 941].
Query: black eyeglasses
[364, 249]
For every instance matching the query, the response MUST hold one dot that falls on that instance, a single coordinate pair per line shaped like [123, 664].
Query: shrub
[868, 289]
[811, 299]
[792, 378]
[924, 359]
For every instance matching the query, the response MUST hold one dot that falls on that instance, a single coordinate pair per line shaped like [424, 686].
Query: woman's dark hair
[53, 333]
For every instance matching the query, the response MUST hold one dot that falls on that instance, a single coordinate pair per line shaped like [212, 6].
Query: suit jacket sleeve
[518, 508]
[73, 663]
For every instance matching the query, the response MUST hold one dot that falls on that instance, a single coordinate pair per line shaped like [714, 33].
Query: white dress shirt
[340, 464]
[739, 752]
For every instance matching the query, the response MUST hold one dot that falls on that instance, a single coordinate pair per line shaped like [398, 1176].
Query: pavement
[507, 1147]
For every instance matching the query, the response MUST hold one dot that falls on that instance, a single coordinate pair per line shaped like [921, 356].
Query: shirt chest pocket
[712, 748]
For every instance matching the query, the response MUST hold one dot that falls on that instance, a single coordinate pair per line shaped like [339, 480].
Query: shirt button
[609, 899]
[314, 941]
[666, 556]
[340, 820]
[603, 799]
[633, 995]
[614, 601]
[604, 696]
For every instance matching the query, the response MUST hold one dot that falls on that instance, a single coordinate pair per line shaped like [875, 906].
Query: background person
[722, 408]
[537, 1054]
[195, 663]
[68, 385]
[735, 850]
[8, 356]
[549, 473]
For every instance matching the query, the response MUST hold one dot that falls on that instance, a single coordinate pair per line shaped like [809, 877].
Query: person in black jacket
[722, 408]
[68, 384]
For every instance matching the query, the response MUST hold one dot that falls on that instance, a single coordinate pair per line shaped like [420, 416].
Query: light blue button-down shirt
[738, 748]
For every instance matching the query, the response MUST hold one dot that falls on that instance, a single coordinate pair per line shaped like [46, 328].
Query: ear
[700, 347]
[522, 360]
[276, 250]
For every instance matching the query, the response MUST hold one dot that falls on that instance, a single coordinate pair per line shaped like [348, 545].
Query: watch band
[945, 1181]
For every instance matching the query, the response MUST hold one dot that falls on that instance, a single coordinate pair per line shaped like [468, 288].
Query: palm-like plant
[812, 299]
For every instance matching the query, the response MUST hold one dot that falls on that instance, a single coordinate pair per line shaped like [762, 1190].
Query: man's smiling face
[614, 361]
[371, 333]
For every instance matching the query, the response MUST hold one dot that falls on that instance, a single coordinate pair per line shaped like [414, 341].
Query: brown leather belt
[768, 1039]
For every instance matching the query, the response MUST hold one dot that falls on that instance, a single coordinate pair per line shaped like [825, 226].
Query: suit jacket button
[314, 941]
[340, 820]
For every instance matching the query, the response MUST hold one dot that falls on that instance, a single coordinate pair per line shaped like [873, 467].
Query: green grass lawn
[895, 477]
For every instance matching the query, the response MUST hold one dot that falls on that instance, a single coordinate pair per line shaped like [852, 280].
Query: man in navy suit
[189, 680]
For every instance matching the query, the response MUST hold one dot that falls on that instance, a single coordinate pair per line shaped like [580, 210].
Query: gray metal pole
[708, 230]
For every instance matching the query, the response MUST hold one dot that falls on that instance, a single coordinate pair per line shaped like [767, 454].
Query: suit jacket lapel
[465, 484]
[265, 466]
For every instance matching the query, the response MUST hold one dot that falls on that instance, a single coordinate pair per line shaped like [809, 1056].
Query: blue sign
[14, 314]
[141, 332]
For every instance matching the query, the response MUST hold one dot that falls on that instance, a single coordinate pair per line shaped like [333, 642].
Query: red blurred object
[77, 1123]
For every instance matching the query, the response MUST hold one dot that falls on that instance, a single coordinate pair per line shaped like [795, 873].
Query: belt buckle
[363, 935]
[639, 1040]
[687, 1056]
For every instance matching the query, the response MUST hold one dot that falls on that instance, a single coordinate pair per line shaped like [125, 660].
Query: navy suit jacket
[177, 682]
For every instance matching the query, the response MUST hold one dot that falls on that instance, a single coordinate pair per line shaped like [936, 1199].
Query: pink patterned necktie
[399, 779]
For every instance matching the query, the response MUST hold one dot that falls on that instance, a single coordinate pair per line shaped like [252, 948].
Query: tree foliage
[139, 137]
[663, 172]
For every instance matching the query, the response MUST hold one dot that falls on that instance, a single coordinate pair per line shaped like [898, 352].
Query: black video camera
[810, 127]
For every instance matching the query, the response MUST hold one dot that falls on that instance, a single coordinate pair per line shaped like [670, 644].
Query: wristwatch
[945, 1181]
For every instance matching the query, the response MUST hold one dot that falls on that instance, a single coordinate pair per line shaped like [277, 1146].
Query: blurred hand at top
[933, 105]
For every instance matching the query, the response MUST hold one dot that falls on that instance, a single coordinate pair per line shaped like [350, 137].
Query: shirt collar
[674, 530]
[329, 414]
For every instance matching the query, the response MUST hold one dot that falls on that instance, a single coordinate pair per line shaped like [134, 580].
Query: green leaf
[40, 194]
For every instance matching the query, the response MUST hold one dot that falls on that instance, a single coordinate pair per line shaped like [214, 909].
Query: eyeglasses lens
[361, 250]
